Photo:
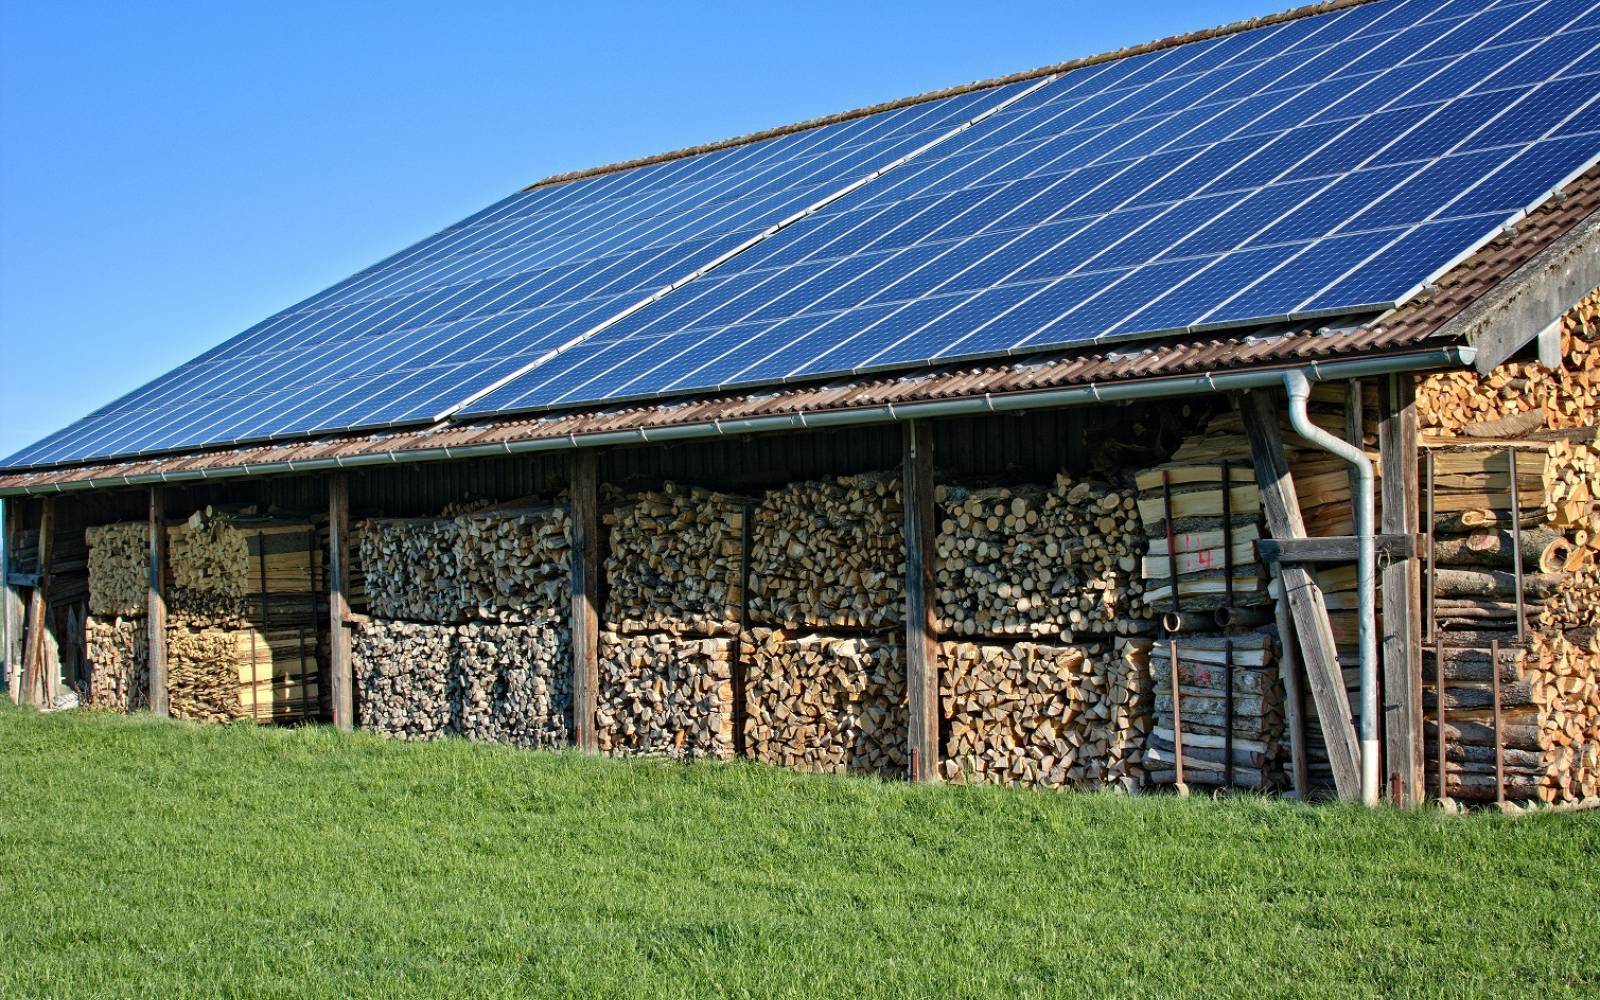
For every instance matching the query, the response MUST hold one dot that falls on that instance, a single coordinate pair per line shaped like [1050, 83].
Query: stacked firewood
[409, 569]
[1039, 561]
[210, 562]
[506, 562]
[826, 703]
[511, 683]
[665, 695]
[512, 562]
[119, 671]
[1520, 398]
[203, 672]
[402, 672]
[673, 563]
[1550, 708]
[1053, 716]
[829, 554]
[501, 683]
[119, 569]
[1200, 717]
[1549, 723]
[1563, 679]
[1571, 478]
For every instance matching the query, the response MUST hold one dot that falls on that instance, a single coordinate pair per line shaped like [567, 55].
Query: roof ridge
[1171, 41]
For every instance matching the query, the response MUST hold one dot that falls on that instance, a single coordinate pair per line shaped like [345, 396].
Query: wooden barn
[1217, 412]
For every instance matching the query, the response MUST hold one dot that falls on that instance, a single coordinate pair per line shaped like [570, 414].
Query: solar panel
[1326, 164]
[403, 340]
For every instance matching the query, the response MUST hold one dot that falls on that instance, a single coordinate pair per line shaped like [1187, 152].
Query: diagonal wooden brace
[1318, 651]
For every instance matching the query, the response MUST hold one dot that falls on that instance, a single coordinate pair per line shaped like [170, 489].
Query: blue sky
[172, 173]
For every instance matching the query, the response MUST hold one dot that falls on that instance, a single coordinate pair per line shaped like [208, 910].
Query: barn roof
[1437, 190]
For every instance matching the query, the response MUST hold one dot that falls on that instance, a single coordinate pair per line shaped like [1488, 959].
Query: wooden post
[341, 682]
[1400, 589]
[13, 600]
[156, 609]
[34, 685]
[1293, 700]
[1318, 652]
[585, 612]
[922, 656]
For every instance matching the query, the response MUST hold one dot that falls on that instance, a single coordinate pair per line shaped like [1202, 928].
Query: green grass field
[155, 859]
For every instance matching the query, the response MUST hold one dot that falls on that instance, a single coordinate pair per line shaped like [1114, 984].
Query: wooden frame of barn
[1130, 567]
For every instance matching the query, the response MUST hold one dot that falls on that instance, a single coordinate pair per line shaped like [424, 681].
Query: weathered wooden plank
[1317, 649]
[13, 601]
[585, 609]
[34, 686]
[922, 668]
[341, 681]
[1293, 698]
[156, 606]
[1333, 548]
[1400, 587]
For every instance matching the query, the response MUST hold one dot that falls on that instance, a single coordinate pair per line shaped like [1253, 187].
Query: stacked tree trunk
[829, 555]
[1519, 398]
[1548, 737]
[119, 669]
[1201, 717]
[1034, 561]
[664, 694]
[1046, 715]
[1549, 733]
[673, 564]
[119, 569]
[826, 703]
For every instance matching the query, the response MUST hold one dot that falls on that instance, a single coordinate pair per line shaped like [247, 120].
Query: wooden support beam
[1333, 548]
[13, 600]
[1293, 697]
[585, 522]
[34, 685]
[156, 605]
[922, 665]
[1318, 652]
[1524, 303]
[341, 677]
[1400, 589]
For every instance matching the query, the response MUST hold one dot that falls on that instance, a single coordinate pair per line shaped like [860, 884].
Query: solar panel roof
[1322, 165]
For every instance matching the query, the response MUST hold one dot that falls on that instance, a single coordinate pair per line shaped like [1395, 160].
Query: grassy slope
[141, 858]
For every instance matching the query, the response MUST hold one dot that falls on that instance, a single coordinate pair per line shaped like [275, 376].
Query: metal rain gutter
[1183, 385]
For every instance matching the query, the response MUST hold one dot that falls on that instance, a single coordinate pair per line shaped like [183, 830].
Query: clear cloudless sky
[171, 173]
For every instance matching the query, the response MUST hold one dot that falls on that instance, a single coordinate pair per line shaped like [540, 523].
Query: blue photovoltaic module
[1324, 165]
[405, 339]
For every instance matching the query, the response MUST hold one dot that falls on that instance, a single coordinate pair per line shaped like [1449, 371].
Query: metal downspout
[1299, 390]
